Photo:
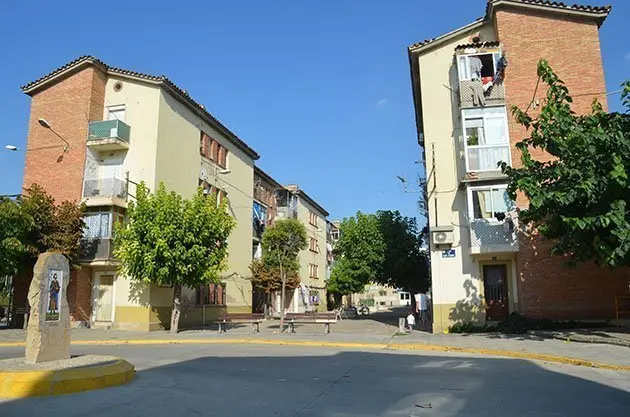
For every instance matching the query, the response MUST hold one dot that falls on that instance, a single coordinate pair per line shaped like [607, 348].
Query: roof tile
[159, 78]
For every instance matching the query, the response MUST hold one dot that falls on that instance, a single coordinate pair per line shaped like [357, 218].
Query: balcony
[481, 70]
[105, 192]
[493, 236]
[494, 96]
[108, 135]
[97, 250]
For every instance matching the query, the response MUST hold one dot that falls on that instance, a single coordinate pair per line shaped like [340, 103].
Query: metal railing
[492, 234]
[105, 187]
[96, 249]
[106, 129]
[495, 96]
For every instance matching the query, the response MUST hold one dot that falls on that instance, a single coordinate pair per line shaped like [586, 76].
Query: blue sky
[319, 88]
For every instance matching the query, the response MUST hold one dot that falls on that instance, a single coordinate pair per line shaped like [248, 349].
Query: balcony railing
[109, 129]
[494, 96]
[105, 187]
[487, 236]
[96, 249]
[486, 157]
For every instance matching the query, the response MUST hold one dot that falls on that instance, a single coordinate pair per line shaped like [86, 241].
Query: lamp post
[47, 125]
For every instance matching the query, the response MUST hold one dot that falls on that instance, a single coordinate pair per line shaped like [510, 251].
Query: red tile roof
[183, 94]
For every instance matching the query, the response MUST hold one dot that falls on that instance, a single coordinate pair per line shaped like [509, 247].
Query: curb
[355, 345]
[21, 384]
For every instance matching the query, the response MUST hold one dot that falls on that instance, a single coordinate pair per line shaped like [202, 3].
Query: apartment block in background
[464, 83]
[124, 127]
[294, 203]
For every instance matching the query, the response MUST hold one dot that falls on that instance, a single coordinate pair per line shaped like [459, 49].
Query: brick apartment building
[464, 82]
[123, 127]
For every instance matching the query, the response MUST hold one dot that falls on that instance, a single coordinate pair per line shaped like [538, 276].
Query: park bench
[254, 318]
[311, 318]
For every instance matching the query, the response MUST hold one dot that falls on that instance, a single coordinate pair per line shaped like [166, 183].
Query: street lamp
[44, 123]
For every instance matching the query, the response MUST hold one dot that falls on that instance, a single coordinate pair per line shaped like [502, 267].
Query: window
[477, 66]
[335, 235]
[97, 225]
[312, 218]
[313, 246]
[116, 112]
[485, 138]
[213, 150]
[382, 293]
[211, 294]
[404, 296]
[312, 270]
[489, 203]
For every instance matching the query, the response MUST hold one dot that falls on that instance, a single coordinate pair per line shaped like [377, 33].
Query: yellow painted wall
[179, 166]
[457, 283]
[141, 112]
[307, 257]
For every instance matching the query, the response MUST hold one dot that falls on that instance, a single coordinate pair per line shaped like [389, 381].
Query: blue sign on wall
[450, 253]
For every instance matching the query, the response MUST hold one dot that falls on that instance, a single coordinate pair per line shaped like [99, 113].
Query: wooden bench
[311, 318]
[254, 318]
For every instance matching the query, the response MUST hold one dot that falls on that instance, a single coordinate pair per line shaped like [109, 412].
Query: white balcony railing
[486, 157]
[105, 187]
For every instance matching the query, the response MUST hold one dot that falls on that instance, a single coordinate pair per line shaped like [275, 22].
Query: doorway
[103, 298]
[495, 282]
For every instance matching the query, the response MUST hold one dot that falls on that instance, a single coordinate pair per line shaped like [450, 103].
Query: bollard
[401, 325]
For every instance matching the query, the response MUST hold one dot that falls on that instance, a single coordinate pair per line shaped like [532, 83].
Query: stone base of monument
[81, 373]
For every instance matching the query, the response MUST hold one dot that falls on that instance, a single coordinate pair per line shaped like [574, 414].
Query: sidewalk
[356, 336]
[617, 337]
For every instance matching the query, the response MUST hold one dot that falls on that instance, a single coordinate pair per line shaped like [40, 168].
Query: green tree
[15, 226]
[406, 264]
[579, 198]
[281, 244]
[33, 225]
[171, 241]
[359, 254]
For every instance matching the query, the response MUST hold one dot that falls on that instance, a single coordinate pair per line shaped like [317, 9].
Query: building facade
[294, 203]
[124, 127]
[484, 264]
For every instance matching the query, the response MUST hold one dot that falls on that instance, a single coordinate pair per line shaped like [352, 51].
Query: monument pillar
[48, 331]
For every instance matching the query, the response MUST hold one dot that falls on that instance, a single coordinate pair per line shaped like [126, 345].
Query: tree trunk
[177, 307]
[283, 278]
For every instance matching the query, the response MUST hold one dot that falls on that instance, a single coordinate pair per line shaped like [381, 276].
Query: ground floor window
[211, 294]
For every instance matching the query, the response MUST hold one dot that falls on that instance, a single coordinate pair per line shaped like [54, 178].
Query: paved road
[250, 380]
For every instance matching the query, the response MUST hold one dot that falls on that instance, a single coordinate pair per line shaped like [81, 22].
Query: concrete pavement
[253, 380]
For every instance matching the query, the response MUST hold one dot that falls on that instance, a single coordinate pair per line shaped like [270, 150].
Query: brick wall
[546, 289]
[67, 105]
[80, 294]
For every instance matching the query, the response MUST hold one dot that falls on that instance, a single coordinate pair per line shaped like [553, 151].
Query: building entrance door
[103, 298]
[496, 293]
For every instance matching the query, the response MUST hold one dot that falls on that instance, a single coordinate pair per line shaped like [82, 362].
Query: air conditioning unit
[442, 235]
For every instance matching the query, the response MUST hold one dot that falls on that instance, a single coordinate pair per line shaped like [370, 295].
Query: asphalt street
[250, 380]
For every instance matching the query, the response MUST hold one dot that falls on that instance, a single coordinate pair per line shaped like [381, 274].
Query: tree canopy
[279, 267]
[406, 264]
[171, 241]
[579, 199]
[34, 224]
[359, 254]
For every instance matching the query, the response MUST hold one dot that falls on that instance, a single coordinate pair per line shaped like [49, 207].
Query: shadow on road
[234, 381]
